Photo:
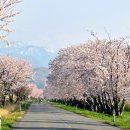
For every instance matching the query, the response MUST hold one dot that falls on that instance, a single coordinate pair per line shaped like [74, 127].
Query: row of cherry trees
[14, 76]
[94, 75]
[29, 91]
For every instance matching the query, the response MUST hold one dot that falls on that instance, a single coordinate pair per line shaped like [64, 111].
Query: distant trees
[14, 74]
[6, 17]
[35, 92]
[94, 75]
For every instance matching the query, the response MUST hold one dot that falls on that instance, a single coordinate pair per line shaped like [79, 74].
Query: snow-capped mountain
[39, 56]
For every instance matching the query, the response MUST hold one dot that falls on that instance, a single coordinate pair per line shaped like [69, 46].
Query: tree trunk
[3, 101]
[116, 107]
[122, 106]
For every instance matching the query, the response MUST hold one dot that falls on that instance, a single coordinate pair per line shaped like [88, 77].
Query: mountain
[40, 76]
[39, 56]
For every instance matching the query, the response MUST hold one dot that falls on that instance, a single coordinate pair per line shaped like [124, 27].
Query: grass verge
[121, 121]
[12, 115]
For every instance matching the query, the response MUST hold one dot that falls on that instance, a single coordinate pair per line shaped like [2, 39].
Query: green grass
[13, 116]
[121, 121]
[9, 120]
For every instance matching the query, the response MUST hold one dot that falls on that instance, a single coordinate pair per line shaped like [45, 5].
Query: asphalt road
[47, 117]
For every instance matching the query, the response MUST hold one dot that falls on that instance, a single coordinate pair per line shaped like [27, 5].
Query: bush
[25, 105]
[127, 107]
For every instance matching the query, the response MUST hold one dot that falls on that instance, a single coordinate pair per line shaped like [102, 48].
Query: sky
[55, 24]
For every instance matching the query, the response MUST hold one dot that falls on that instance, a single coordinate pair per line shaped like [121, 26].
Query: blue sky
[59, 23]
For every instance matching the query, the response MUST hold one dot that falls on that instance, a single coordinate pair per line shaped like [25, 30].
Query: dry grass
[11, 108]
[4, 112]
[11, 114]
[7, 110]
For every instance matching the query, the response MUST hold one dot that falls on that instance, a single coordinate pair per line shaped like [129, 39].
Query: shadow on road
[45, 128]
[69, 122]
[51, 112]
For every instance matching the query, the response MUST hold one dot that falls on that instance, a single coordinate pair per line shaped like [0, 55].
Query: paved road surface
[47, 117]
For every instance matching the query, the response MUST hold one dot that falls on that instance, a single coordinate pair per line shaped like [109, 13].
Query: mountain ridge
[39, 56]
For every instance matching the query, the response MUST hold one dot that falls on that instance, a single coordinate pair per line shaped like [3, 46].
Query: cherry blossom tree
[14, 73]
[35, 92]
[22, 93]
[7, 14]
[94, 74]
